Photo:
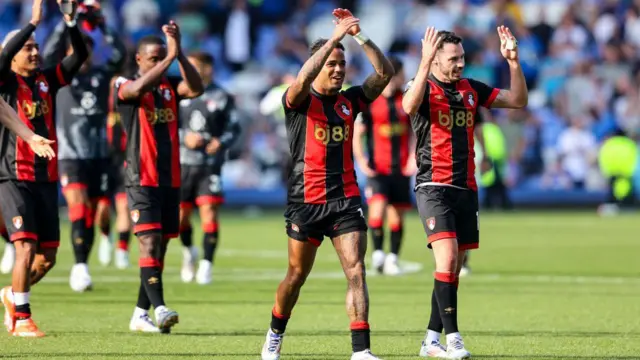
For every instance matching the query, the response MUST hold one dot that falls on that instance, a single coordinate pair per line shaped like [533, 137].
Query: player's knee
[447, 262]
[296, 276]
[355, 273]
[48, 260]
[150, 245]
[208, 212]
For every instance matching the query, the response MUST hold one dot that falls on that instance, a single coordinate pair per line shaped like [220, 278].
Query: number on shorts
[361, 213]
[215, 184]
[104, 183]
[478, 219]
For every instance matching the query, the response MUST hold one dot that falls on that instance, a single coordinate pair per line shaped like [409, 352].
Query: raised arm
[39, 145]
[415, 93]
[517, 96]
[191, 85]
[72, 63]
[54, 47]
[299, 90]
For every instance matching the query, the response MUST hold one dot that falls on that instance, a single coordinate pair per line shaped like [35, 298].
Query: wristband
[361, 38]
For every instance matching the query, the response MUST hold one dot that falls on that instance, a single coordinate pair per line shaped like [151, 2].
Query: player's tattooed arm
[416, 89]
[376, 82]
[300, 88]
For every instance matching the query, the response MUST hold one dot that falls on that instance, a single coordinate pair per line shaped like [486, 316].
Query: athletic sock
[21, 300]
[278, 322]
[186, 236]
[447, 297]
[396, 237]
[5, 235]
[151, 276]
[210, 241]
[360, 336]
[123, 240]
[80, 234]
[377, 233]
[435, 327]
[143, 300]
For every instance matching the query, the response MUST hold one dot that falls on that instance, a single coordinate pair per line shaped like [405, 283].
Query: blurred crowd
[580, 58]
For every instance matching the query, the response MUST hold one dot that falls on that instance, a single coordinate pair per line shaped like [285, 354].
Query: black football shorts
[30, 211]
[200, 186]
[312, 222]
[155, 209]
[448, 212]
[394, 189]
[92, 175]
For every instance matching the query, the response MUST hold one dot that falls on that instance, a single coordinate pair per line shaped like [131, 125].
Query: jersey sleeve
[486, 93]
[303, 105]
[55, 77]
[358, 100]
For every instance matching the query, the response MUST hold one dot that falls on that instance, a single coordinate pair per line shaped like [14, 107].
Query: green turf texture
[544, 286]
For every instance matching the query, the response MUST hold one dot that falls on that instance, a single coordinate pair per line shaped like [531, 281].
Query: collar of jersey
[314, 92]
[442, 84]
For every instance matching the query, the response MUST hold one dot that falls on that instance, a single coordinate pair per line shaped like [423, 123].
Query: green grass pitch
[544, 286]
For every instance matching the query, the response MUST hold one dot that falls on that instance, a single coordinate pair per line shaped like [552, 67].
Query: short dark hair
[396, 63]
[316, 45]
[202, 57]
[150, 40]
[448, 37]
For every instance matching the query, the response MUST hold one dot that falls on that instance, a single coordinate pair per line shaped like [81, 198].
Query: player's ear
[138, 59]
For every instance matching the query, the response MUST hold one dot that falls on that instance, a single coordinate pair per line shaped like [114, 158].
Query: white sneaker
[203, 277]
[166, 318]
[189, 256]
[142, 323]
[391, 267]
[433, 350]
[377, 260]
[80, 280]
[364, 355]
[122, 259]
[465, 271]
[105, 250]
[455, 348]
[8, 259]
[272, 346]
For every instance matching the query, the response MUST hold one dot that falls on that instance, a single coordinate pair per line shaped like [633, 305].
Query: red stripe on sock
[360, 325]
[446, 277]
[375, 222]
[395, 227]
[210, 227]
[279, 316]
[149, 262]
[123, 245]
[22, 315]
[77, 212]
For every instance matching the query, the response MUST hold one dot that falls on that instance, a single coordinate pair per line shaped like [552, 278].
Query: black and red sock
[435, 321]
[360, 336]
[396, 237]
[143, 300]
[123, 240]
[81, 231]
[377, 233]
[210, 241]
[446, 291]
[151, 277]
[278, 322]
[186, 236]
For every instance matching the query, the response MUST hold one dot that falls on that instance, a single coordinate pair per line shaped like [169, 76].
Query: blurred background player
[117, 141]
[28, 184]
[209, 127]
[323, 195]
[388, 167]
[148, 105]
[81, 117]
[443, 106]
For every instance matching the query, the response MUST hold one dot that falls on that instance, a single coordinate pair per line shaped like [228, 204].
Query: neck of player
[324, 90]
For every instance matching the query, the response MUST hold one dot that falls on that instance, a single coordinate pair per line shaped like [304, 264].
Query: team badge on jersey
[135, 215]
[470, 99]
[295, 228]
[64, 180]
[343, 110]
[431, 223]
[17, 222]
[43, 87]
[167, 94]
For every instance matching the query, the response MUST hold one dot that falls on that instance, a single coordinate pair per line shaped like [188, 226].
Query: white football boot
[272, 346]
[122, 259]
[80, 280]
[391, 267]
[105, 250]
[455, 348]
[203, 276]
[364, 355]
[141, 322]
[166, 318]
[8, 259]
[433, 350]
[377, 260]
[189, 256]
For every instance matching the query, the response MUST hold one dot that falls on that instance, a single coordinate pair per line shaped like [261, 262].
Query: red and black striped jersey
[151, 126]
[33, 98]
[444, 128]
[320, 132]
[388, 134]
